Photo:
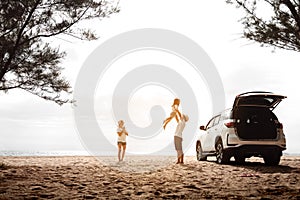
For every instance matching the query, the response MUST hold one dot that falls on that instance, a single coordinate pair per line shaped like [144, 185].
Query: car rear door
[258, 99]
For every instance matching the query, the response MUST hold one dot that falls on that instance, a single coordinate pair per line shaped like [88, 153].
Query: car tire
[221, 155]
[272, 159]
[199, 153]
[239, 159]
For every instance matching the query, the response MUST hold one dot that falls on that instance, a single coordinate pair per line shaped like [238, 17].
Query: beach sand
[146, 177]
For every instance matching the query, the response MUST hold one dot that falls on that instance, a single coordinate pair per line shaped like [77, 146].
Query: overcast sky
[29, 123]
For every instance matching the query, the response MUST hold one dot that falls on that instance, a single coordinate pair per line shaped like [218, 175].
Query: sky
[32, 124]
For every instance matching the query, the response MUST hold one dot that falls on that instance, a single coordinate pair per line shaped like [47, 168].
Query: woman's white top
[121, 138]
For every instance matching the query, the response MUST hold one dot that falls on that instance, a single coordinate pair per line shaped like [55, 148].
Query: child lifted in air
[175, 113]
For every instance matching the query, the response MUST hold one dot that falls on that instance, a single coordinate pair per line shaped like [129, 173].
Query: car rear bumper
[232, 141]
[254, 150]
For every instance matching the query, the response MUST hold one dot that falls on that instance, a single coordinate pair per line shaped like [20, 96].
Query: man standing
[178, 137]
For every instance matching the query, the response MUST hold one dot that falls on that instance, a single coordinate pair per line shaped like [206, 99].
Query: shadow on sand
[263, 168]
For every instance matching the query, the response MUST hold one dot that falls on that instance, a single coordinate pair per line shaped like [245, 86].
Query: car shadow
[262, 168]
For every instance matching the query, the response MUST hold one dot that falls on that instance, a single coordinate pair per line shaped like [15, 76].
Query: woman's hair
[120, 121]
[176, 102]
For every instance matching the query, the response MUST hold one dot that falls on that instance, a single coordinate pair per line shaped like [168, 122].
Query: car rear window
[257, 101]
[227, 114]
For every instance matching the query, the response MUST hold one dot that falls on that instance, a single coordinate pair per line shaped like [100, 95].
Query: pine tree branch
[19, 36]
[58, 32]
[291, 7]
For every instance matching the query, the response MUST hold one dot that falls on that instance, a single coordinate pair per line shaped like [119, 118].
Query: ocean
[44, 153]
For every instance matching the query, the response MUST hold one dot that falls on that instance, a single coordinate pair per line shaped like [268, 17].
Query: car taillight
[279, 125]
[229, 124]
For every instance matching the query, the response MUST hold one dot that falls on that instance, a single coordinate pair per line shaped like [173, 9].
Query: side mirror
[202, 128]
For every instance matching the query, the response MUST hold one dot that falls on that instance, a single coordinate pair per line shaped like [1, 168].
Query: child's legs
[167, 120]
[176, 117]
[172, 114]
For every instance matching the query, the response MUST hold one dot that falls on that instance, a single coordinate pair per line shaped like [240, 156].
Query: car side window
[217, 119]
[210, 124]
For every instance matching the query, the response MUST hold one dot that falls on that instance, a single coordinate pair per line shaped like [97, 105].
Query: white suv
[250, 128]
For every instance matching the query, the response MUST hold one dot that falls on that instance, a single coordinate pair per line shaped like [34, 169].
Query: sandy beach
[85, 177]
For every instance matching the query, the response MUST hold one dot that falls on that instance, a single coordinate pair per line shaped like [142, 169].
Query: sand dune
[146, 178]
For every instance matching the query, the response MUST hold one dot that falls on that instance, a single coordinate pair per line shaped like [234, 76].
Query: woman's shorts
[122, 143]
[178, 143]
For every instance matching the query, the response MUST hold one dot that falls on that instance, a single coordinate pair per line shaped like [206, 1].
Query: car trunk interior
[255, 123]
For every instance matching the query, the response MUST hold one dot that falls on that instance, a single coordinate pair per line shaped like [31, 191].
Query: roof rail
[255, 92]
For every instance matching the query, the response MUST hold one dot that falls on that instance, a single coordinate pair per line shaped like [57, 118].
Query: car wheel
[239, 159]
[222, 157]
[200, 156]
[272, 159]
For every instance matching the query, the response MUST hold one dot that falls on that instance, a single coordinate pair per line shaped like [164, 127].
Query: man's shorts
[178, 143]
